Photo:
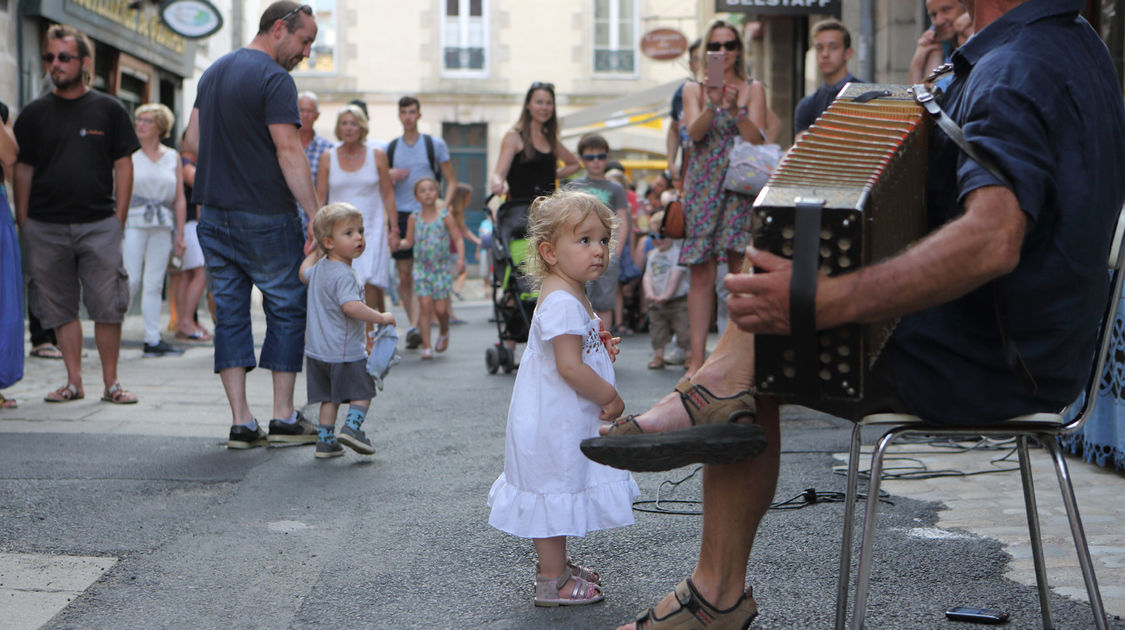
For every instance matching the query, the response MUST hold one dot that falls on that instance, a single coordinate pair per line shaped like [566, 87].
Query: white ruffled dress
[548, 487]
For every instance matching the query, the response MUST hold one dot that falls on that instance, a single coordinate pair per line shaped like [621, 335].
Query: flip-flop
[442, 343]
[8, 403]
[118, 395]
[47, 351]
[198, 335]
[656, 364]
[66, 393]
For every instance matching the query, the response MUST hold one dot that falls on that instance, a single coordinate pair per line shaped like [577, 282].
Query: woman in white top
[358, 174]
[157, 207]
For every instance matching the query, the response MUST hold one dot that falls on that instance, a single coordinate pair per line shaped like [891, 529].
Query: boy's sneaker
[413, 338]
[356, 440]
[300, 432]
[243, 437]
[162, 349]
[675, 356]
[328, 449]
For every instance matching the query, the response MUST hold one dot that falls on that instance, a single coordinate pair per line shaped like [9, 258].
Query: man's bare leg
[406, 289]
[234, 384]
[108, 339]
[283, 385]
[69, 338]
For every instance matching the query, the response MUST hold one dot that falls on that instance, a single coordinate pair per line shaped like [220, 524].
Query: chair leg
[863, 571]
[1077, 532]
[1034, 532]
[849, 525]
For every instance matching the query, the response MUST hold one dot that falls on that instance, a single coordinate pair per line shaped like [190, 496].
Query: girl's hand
[613, 410]
[609, 342]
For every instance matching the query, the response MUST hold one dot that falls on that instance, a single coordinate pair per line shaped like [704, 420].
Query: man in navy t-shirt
[832, 44]
[251, 174]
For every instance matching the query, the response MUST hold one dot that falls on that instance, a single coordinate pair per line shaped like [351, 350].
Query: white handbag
[750, 166]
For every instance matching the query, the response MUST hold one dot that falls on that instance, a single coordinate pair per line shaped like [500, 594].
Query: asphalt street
[204, 537]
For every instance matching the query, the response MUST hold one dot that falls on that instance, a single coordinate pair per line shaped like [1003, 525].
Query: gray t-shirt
[414, 158]
[610, 193]
[330, 335]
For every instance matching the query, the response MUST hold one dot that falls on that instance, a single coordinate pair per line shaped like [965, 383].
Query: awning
[634, 122]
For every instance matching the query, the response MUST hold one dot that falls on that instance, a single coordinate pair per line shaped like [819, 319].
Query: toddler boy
[666, 287]
[335, 350]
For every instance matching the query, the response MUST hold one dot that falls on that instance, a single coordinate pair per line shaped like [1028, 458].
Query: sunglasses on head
[63, 57]
[304, 8]
[729, 45]
[590, 157]
[540, 85]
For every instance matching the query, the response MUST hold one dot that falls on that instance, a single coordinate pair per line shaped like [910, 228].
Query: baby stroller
[513, 300]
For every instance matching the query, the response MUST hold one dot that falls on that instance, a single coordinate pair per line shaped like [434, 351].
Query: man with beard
[251, 175]
[75, 159]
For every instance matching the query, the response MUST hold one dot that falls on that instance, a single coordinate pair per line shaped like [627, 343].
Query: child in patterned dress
[429, 233]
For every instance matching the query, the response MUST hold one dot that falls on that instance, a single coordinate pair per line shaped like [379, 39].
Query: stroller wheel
[507, 359]
[492, 360]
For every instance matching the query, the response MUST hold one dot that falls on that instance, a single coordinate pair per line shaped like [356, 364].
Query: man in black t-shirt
[73, 182]
[251, 174]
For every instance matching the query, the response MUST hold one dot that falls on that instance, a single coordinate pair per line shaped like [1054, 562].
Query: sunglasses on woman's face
[729, 45]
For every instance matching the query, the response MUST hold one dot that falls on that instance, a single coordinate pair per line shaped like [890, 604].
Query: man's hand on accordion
[759, 301]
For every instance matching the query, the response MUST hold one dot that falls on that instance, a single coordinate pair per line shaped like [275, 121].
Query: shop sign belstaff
[779, 7]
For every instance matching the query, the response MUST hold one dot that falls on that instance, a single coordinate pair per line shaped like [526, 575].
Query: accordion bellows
[864, 163]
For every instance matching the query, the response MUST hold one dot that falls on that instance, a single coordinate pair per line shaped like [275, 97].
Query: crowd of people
[259, 199]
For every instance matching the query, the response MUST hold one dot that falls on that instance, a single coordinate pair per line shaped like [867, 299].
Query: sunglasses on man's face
[729, 45]
[590, 157]
[63, 57]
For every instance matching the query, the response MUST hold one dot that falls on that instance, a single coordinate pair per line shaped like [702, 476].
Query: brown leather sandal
[696, 613]
[722, 432]
[582, 593]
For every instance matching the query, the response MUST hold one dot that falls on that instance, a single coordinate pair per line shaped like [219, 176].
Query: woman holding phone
[717, 221]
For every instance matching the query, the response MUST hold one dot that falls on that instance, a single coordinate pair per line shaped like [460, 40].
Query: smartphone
[715, 69]
[976, 615]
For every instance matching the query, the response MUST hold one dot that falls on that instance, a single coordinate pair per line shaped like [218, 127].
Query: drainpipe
[19, 56]
[866, 39]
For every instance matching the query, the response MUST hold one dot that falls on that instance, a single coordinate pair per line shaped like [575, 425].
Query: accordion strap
[802, 297]
[927, 100]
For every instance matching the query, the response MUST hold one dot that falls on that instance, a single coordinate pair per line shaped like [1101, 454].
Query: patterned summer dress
[716, 220]
[431, 258]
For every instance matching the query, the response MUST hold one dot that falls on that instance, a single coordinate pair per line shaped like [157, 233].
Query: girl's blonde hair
[460, 200]
[328, 217]
[548, 218]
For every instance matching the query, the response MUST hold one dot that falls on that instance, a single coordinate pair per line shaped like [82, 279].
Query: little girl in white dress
[565, 385]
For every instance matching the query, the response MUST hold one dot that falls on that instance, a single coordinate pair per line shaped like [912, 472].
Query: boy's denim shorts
[246, 248]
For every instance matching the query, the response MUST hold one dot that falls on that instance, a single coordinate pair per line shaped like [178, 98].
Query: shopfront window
[322, 58]
[464, 38]
[615, 37]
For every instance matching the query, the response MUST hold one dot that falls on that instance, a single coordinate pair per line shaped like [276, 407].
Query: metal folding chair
[1044, 427]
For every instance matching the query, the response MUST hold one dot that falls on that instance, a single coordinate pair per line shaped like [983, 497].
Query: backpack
[429, 156]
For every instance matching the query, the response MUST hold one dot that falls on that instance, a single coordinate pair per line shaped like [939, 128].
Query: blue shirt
[812, 106]
[238, 97]
[413, 158]
[1058, 136]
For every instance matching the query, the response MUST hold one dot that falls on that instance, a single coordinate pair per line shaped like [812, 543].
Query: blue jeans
[244, 248]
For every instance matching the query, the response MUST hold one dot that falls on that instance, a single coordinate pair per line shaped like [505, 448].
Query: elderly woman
[358, 173]
[157, 208]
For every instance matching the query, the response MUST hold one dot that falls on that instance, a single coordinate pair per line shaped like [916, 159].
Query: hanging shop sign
[663, 44]
[193, 19]
[780, 7]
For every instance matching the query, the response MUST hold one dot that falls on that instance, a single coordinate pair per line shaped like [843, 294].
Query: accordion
[849, 193]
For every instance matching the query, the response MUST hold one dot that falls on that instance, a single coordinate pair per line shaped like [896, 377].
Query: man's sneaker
[325, 450]
[675, 356]
[300, 432]
[413, 338]
[162, 349]
[356, 440]
[243, 437]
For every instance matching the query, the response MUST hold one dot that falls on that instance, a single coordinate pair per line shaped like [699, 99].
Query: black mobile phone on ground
[976, 615]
